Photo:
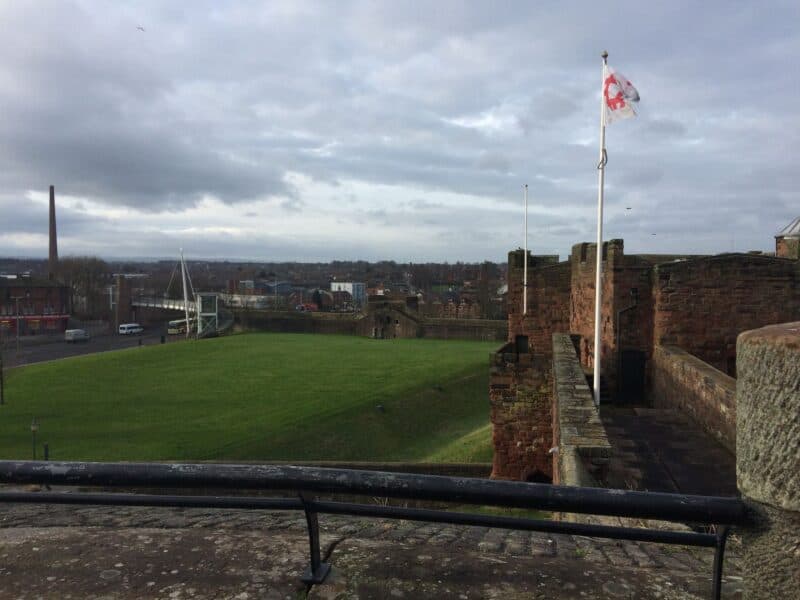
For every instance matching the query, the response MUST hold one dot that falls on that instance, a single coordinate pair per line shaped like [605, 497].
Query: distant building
[34, 306]
[787, 241]
[266, 287]
[357, 291]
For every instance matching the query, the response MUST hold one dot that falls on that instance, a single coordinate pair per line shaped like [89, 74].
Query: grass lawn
[257, 397]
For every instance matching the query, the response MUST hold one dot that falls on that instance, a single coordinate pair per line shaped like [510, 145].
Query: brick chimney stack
[52, 264]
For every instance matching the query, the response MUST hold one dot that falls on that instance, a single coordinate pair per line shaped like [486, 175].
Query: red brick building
[36, 306]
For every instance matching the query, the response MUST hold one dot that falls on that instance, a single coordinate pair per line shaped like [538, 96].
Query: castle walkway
[663, 450]
[135, 552]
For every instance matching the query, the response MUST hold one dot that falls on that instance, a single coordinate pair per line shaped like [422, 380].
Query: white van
[72, 336]
[130, 328]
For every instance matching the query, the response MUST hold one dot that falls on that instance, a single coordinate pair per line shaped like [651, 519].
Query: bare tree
[87, 278]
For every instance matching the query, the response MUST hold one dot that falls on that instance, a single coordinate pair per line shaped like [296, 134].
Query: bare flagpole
[598, 287]
[525, 268]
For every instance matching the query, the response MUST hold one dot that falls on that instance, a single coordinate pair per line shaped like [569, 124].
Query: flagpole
[525, 268]
[598, 289]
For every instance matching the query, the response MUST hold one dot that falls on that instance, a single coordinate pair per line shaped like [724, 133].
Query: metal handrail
[306, 481]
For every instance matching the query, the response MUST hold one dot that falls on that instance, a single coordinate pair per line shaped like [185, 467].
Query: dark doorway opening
[631, 377]
[538, 477]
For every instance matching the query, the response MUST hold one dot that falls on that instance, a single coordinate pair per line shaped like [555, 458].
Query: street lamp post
[34, 429]
[17, 299]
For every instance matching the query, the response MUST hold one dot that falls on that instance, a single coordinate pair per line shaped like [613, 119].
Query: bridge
[213, 319]
[164, 303]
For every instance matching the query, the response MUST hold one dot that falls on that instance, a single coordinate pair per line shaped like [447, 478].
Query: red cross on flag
[620, 97]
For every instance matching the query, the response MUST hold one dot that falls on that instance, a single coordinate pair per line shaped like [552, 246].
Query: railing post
[719, 555]
[317, 570]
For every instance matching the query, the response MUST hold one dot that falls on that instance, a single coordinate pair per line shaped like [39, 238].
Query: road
[35, 351]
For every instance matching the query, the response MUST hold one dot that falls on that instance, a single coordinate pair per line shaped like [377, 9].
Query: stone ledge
[98, 552]
[583, 446]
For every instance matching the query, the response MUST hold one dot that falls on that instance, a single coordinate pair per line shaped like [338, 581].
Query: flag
[620, 97]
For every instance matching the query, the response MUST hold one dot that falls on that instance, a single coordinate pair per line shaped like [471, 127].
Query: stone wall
[686, 383]
[701, 305]
[383, 321]
[465, 329]
[768, 460]
[583, 450]
[295, 322]
[388, 319]
[520, 396]
[548, 299]
[626, 313]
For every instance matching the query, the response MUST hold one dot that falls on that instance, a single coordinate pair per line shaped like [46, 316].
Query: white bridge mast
[185, 292]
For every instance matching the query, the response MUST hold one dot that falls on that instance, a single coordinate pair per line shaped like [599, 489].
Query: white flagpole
[525, 268]
[598, 289]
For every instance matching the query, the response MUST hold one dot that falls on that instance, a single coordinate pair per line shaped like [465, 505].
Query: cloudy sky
[398, 130]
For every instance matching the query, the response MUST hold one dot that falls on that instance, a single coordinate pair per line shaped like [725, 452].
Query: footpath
[133, 552]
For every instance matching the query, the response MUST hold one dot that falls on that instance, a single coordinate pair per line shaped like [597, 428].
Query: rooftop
[791, 230]
[15, 282]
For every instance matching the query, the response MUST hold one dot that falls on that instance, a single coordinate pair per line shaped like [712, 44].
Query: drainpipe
[635, 296]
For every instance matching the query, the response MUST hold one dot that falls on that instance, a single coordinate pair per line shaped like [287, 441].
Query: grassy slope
[260, 396]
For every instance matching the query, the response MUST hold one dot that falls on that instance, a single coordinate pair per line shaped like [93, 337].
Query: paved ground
[80, 552]
[663, 450]
[34, 350]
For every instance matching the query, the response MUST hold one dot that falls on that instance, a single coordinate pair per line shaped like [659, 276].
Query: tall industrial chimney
[52, 264]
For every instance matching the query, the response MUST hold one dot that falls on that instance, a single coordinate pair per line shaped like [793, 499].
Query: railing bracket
[317, 571]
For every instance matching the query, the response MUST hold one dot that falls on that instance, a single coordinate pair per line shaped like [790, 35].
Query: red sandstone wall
[621, 275]
[520, 397]
[582, 302]
[684, 382]
[465, 329]
[548, 300]
[701, 305]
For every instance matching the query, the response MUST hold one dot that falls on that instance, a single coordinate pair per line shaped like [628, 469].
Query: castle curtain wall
[701, 305]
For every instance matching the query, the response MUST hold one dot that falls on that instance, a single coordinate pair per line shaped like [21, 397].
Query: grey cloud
[225, 100]
[664, 128]
[21, 215]
[493, 162]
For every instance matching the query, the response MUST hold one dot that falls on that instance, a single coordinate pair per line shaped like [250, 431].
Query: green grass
[473, 446]
[257, 397]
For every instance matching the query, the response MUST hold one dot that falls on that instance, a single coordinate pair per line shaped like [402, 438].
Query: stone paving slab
[133, 552]
[94, 562]
[372, 569]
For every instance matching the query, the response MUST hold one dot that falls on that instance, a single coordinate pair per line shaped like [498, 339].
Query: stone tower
[52, 263]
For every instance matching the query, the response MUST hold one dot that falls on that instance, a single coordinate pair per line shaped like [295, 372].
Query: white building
[357, 291]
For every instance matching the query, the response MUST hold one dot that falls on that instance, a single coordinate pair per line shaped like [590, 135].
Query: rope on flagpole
[603, 160]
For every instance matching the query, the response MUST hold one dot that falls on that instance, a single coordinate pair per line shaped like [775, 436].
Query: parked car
[72, 336]
[130, 329]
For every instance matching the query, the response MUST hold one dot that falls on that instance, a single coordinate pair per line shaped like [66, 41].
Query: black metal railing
[307, 481]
